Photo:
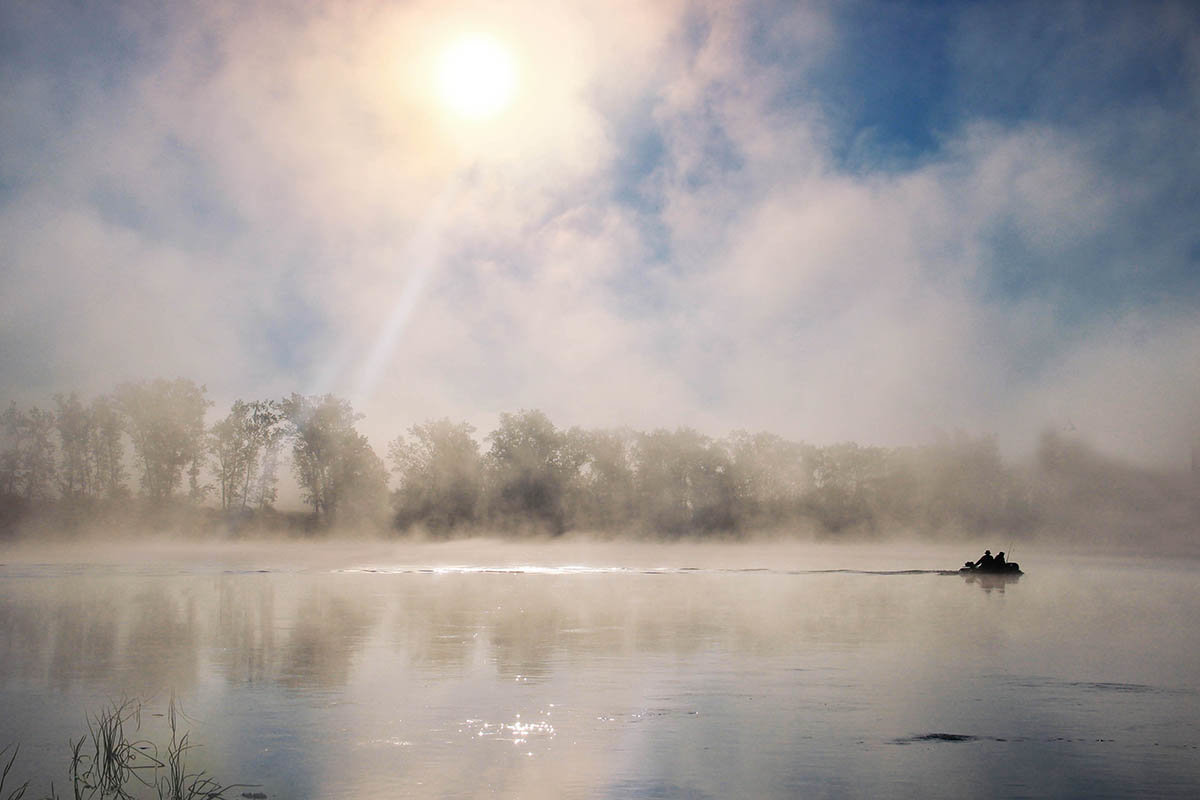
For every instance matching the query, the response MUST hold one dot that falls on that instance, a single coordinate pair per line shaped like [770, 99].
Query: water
[474, 670]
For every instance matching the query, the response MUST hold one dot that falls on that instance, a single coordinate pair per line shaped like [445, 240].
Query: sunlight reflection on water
[780, 678]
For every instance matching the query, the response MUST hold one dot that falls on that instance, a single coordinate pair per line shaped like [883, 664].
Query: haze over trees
[27, 465]
[245, 450]
[440, 474]
[75, 464]
[165, 422]
[341, 476]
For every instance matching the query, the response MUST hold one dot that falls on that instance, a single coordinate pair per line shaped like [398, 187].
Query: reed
[178, 783]
[113, 762]
[19, 792]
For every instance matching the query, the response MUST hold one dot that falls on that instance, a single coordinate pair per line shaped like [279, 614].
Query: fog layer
[144, 458]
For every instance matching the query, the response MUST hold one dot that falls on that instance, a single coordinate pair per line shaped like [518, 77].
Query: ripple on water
[519, 731]
[940, 737]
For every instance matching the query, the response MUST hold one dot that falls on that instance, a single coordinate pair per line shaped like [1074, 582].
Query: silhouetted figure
[986, 561]
[999, 562]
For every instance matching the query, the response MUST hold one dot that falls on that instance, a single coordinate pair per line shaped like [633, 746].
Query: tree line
[530, 477]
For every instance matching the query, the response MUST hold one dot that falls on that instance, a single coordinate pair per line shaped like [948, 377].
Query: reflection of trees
[523, 625]
[164, 639]
[84, 635]
[435, 628]
[531, 625]
[160, 635]
[244, 639]
[525, 638]
[23, 638]
[328, 632]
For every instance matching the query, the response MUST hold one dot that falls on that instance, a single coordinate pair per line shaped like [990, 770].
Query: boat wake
[577, 569]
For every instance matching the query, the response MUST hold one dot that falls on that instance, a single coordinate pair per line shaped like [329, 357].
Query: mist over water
[584, 669]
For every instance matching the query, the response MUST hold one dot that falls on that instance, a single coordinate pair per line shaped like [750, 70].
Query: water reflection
[81, 637]
[308, 631]
[990, 583]
[245, 643]
[328, 630]
[593, 684]
[165, 635]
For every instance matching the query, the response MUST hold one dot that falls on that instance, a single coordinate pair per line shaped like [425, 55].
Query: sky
[871, 221]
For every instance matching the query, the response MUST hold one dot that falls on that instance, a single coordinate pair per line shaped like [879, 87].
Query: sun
[476, 76]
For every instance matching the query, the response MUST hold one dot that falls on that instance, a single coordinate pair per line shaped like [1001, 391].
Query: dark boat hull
[1011, 568]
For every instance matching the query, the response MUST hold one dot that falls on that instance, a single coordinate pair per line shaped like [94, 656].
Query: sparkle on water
[617, 671]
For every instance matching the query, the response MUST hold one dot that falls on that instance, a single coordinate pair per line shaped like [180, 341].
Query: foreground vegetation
[71, 467]
[112, 762]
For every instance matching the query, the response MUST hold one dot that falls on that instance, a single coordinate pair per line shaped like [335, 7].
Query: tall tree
[605, 496]
[531, 468]
[106, 448]
[239, 445]
[75, 473]
[769, 478]
[265, 431]
[339, 473]
[845, 485]
[265, 487]
[440, 474]
[166, 423]
[685, 483]
[27, 468]
[10, 452]
[227, 441]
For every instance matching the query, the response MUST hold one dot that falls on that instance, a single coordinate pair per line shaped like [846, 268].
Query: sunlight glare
[476, 77]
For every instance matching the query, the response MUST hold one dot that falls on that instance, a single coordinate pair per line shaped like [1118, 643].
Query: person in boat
[999, 562]
[986, 561]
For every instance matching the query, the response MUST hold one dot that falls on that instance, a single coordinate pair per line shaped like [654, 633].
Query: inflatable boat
[1007, 568]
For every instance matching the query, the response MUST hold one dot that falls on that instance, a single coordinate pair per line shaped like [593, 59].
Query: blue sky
[878, 221]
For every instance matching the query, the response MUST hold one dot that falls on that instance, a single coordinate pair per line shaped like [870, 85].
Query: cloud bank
[866, 221]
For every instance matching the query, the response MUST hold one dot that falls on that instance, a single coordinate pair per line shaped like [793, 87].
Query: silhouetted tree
[845, 485]
[685, 483]
[265, 489]
[769, 478]
[240, 443]
[339, 473]
[27, 468]
[74, 423]
[106, 448]
[10, 453]
[441, 475]
[530, 469]
[605, 496]
[166, 423]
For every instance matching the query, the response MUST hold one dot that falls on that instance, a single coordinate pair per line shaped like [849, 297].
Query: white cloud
[277, 168]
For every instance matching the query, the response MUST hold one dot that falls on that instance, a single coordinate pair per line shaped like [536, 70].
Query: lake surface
[613, 671]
